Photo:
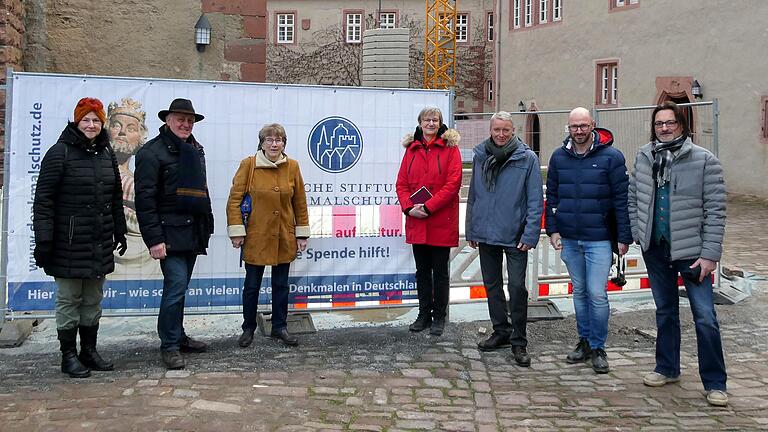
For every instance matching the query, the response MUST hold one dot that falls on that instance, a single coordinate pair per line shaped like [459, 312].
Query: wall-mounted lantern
[696, 90]
[202, 33]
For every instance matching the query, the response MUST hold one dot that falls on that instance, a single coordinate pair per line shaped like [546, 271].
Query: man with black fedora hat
[175, 218]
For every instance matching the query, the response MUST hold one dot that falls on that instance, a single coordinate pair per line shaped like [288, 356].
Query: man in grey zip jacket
[504, 210]
[677, 212]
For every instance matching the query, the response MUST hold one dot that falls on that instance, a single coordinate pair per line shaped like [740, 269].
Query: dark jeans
[177, 270]
[432, 279]
[251, 288]
[663, 273]
[501, 310]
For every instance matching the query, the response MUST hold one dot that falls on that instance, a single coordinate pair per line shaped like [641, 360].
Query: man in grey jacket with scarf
[677, 212]
[504, 210]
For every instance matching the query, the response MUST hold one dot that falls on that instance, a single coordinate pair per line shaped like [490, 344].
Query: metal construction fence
[544, 132]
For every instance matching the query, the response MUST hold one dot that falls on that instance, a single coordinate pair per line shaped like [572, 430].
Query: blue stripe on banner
[207, 292]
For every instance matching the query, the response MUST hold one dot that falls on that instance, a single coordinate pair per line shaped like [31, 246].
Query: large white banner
[347, 142]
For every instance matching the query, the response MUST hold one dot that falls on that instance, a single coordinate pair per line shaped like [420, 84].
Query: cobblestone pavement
[384, 378]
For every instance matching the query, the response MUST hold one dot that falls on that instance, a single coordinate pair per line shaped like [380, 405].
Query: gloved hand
[121, 244]
[43, 253]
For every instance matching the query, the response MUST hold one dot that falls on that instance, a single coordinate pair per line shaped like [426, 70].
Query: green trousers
[78, 302]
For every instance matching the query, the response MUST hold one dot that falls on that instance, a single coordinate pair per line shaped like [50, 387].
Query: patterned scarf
[663, 155]
[498, 156]
[191, 186]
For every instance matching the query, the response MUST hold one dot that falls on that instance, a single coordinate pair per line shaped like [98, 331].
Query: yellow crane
[440, 50]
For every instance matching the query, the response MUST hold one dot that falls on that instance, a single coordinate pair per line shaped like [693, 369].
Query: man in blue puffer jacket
[586, 186]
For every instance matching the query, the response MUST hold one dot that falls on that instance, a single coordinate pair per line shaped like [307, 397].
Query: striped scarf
[663, 155]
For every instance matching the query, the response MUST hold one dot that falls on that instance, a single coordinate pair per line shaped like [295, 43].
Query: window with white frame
[285, 27]
[516, 13]
[462, 27]
[528, 13]
[490, 26]
[387, 20]
[354, 27]
[618, 4]
[543, 10]
[489, 85]
[557, 10]
[608, 83]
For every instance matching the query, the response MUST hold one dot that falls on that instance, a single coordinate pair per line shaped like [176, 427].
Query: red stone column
[251, 49]
[11, 36]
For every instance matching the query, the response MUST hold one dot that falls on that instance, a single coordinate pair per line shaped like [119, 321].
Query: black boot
[423, 321]
[89, 357]
[69, 362]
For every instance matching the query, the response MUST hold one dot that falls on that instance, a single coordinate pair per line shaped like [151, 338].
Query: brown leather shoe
[246, 339]
[284, 336]
[189, 345]
[172, 359]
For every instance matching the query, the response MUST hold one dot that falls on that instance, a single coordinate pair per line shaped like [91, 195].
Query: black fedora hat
[180, 106]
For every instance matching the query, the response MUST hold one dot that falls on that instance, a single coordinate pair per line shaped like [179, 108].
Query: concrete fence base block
[543, 310]
[13, 333]
[298, 323]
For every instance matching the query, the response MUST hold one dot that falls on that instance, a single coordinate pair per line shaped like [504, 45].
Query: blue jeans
[663, 273]
[253, 277]
[589, 263]
[177, 271]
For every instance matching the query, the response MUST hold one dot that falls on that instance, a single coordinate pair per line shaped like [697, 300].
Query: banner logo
[335, 144]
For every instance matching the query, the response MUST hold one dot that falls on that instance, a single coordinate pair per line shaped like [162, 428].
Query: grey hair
[503, 116]
[430, 110]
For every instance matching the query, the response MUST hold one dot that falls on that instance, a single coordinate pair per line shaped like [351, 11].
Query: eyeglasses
[273, 140]
[583, 127]
[669, 124]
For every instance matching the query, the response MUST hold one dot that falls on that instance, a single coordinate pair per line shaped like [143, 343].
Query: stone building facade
[134, 38]
[320, 42]
[623, 53]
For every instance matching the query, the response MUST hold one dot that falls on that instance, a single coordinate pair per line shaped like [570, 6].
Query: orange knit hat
[86, 105]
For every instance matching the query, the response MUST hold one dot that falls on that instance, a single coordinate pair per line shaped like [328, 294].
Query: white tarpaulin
[347, 142]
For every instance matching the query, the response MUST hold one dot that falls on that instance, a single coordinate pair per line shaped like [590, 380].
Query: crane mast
[440, 50]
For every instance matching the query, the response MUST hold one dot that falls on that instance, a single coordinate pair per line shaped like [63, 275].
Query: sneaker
[246, 338]
[437, 327]
[189, 345]
[284, 336]
[521, 356]
[581, 353]
[655, 379]
[494, 342]
[172, 359]
[423, 321]
[600, 361]
[717, 398]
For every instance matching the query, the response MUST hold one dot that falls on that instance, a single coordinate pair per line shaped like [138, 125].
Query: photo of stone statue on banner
[127, 130]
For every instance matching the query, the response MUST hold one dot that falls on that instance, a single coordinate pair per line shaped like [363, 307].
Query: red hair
[86, 105]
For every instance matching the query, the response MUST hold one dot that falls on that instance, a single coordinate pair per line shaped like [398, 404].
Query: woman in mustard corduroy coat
[277, 228]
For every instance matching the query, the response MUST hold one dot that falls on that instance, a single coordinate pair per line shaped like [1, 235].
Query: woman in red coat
[431, 161]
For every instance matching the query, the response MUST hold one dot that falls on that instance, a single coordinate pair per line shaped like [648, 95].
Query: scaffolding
[440, 50]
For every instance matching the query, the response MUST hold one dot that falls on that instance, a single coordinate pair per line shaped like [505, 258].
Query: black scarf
[191, 187]
[498, 156]
[663, 155]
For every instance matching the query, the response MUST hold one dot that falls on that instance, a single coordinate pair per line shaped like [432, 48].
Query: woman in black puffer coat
[78, 223]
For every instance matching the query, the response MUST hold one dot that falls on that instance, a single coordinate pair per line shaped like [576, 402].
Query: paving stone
[416, 373]
[186, 393]
[206, 405]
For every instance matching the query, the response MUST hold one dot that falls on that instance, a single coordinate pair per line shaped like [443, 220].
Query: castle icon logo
[335, 144]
